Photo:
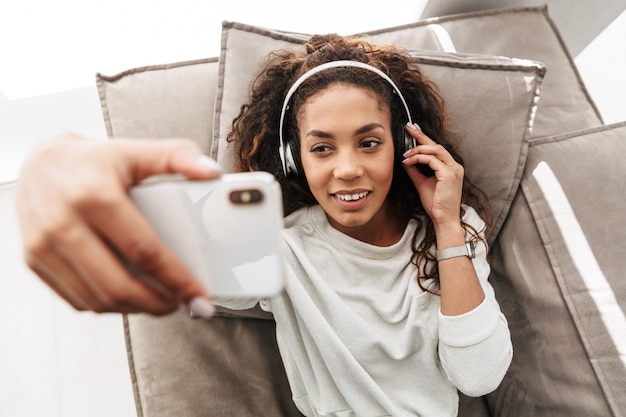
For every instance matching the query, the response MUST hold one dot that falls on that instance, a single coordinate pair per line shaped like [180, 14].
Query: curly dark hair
[256, 129]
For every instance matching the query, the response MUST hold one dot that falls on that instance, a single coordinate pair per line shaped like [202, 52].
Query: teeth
[350, 197]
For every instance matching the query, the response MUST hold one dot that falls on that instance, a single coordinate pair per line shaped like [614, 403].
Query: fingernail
[201, 307]
[414, 126]
[208, 163]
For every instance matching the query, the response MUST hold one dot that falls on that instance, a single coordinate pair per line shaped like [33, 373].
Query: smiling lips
[351, 197]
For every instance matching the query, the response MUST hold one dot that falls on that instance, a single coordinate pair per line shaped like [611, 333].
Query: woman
[380, 315]
[387, 309]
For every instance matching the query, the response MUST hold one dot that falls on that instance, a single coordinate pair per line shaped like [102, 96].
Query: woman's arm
[441, 198]
[475, 347]
[474, 341]
[460, 289]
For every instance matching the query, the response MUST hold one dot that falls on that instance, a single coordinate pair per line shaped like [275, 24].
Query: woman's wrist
[449, 235]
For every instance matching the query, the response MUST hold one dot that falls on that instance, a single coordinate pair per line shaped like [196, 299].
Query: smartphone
[226, 231]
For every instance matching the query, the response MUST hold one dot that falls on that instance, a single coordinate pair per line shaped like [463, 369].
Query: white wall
[602, 66]
[54, 361]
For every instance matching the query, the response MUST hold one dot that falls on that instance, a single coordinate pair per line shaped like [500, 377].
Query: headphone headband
[284, 148]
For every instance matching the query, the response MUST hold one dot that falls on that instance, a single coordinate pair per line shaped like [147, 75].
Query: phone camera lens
[250, 196]
[245, 197]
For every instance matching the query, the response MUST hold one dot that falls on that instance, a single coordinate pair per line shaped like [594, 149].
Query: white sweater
[358, 336]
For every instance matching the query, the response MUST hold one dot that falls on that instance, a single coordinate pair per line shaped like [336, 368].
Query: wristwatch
[465, 250]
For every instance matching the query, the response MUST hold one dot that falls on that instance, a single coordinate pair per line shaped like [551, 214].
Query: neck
[383, 230]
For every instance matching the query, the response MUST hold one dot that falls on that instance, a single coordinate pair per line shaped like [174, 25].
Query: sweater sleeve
[475, 348]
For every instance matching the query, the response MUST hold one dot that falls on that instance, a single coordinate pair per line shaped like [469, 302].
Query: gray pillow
[161, 101]
[524, 32]
[557, 269]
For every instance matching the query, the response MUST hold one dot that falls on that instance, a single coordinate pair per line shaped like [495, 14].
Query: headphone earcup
[403, 142]
[290, 161]
[409, 142]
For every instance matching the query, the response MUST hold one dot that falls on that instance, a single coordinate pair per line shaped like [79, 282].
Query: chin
[349, 221]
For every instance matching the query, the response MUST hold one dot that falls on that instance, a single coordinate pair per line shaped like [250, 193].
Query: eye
[370, 143]
[320, 148]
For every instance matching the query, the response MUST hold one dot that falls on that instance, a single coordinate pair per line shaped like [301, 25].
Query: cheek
[384, 174]
[382, 169]
[316, 175]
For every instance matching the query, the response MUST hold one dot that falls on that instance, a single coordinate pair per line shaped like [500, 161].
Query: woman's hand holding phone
[226, 231]
[77, 220]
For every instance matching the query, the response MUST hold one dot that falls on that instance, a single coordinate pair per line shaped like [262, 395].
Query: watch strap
[456, 251]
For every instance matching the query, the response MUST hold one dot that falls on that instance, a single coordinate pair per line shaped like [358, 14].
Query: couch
[531, 137]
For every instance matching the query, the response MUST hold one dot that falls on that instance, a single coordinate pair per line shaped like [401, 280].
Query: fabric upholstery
[192, 367]
[161, 101]
[557, 269]
[525, 32]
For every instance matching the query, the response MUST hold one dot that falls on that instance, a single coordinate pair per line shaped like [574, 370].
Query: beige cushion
[558, 271]
[491, 100]
[223, 367]
[161, 101]
[525, 32]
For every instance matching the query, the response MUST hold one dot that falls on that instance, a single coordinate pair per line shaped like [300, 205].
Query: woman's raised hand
[441, 193]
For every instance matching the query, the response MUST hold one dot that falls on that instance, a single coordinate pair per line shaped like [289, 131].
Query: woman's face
[347, 154]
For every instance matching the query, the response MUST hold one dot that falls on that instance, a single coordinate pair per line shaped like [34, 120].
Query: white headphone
[286, 156]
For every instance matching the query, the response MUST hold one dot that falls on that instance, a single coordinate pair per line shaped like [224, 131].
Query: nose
[348, 165]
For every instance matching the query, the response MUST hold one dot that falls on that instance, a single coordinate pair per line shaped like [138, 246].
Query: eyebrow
[363, 129]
